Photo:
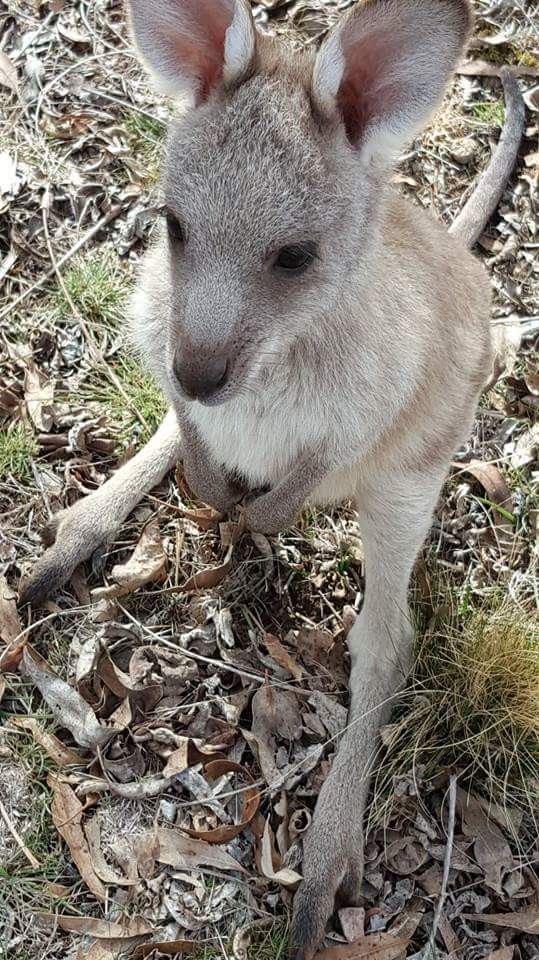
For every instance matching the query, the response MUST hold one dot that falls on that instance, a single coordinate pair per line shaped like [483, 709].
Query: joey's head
[274, 170]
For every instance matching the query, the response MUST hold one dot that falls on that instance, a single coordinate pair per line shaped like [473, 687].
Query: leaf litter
[196, 677]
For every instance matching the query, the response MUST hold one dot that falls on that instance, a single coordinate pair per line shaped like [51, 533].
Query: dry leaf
[146, 564]
[381, 946]
[54, 747]
[352, 921]
[10, 624]
[491, 849]
[68, 707]
[250, 800]
[270, 862]
[493, 483]
[527, 921]
[168, 947]
[187, 853]
[100, 866]
[280, 654]
[38, 396]
[102, 929]
[504, 953]
[66, 812]
[8, 73]
[406, 855]
[209, 578]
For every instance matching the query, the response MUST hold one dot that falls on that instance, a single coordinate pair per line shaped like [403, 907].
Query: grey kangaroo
[317, 336]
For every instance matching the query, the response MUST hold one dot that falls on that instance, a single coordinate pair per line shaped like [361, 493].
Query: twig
[95, 351]
[476, 213]
[81, 242]
[27, 853]
[447, 862]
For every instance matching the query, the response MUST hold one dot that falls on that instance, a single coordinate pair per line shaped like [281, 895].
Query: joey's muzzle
[200, 377]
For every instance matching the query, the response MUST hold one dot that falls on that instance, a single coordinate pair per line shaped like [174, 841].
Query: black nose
[200, 378]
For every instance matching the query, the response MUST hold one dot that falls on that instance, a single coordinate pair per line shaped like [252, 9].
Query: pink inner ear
[362, 94]
[200, 46]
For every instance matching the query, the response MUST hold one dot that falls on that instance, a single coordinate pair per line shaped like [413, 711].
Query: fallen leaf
[405, 855]
[38, 396]
[249, 799]
[274, 711]
[491, 849]
[280, 654]
[527, 921]
[10, 624]
[492, 482]
[168, 947]
[382, 946]
[485, 68]
[100, 866]
[146, 564]
[8, 73]
[504, 953]
[54, 747]
[68, 707]
[352, 921]
[66, 812]
[187, 853]
[102, 929]
[270, 862]
[206, 579]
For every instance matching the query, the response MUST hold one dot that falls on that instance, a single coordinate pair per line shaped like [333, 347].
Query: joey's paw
[70, 537]
[332, 870]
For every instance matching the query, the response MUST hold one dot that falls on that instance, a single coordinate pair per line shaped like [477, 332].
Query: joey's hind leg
[394, 520]
[75, 533]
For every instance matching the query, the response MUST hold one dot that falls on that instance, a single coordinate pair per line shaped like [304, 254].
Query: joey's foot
[71, 537]
[332, 869]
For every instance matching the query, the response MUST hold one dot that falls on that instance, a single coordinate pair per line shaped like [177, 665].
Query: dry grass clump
[472, 705]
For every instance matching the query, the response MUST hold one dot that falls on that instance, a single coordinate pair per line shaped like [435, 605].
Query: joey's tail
[477, 211]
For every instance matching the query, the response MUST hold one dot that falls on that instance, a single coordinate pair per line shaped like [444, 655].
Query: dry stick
[111, 215]
[476, 213]
[447, 862]
[95, 352]
[27, 853]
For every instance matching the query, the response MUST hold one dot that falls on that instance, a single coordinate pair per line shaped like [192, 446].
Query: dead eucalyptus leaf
[8, 73]
[168, 947]
[352, 921]
[280, 654]
[146, 564]
[527, 921]
[92, 832]
[102, 929]
[491, 849]
[250, 800]
[206, 579]
[187, 853]
[54, 747]
[10, 624]
[38, 396]
[66, 812]
[270, 862]
[68, 707]
[493, 484]
[382, 946]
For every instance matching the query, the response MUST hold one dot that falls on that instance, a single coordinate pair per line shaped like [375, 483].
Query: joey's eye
[174, 228]
[295, 258]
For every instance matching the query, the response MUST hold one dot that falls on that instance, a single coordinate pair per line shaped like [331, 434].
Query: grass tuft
[18, 446]
[143, 392]
[491, 112]
[98, 285]
[146, 137]
[472, 705]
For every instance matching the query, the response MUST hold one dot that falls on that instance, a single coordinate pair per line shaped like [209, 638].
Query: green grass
[146, 139]
[491, 112]
[18, 446]
[144, 394]
[99, 284]
[472, 704]
[267, 943]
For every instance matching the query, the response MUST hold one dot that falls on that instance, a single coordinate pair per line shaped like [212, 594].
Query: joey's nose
[203, 379]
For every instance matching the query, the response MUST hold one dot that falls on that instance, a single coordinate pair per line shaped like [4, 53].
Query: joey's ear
[384, 68]
[190, 46]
